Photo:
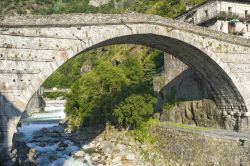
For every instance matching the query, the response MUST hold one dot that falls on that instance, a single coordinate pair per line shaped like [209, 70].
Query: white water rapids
[50, 154]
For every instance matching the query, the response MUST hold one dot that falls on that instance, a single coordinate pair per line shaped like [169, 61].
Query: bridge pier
[9, 118]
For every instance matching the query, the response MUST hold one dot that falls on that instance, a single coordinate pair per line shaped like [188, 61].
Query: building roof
[207, 2]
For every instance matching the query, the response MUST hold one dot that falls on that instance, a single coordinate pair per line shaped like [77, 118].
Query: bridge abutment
[9, 118]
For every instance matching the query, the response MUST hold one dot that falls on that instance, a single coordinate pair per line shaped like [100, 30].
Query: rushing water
[47, 148]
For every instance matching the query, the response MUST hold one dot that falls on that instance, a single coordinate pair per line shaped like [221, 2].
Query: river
[40, 131]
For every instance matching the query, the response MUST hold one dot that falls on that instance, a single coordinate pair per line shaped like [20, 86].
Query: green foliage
[134, 111]
[53, 95]
[90, 93]
[166, 8]
[142, 134]
[152, 69]
[96, 95]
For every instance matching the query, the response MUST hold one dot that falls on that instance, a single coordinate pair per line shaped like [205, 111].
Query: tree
[91, 93]
[134, 111]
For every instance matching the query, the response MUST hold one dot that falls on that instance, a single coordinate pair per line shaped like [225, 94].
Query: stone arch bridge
[33, 47]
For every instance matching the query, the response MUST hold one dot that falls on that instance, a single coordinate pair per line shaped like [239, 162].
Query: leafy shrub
[134, 111]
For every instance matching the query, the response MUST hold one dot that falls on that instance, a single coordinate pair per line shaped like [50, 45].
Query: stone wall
[192, 148]
[192, 97]
[194, 102]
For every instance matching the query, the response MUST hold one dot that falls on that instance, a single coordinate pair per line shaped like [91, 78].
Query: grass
[183, 126]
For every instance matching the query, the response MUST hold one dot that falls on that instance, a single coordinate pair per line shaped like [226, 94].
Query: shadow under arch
[9, 117]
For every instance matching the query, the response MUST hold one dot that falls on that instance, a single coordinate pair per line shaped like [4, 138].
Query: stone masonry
[198, 147]
[33, 47]
[193, 100]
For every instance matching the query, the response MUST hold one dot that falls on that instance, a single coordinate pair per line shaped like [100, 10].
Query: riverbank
[42, 140]
[113, 147]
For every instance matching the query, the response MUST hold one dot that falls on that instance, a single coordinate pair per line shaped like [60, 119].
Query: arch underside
[223, 90]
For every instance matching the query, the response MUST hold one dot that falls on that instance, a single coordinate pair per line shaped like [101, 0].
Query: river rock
[57, 129]
[116, 160]
[62, 144]
[79, 154]
[25, 155]
[42, 144]
[95, 157]
[52, 135]
[75, 139]
[44, 130]
[52, 158]
[32, 155]
[106, 146]
[130, 157]
[120, 147]
[90, 150]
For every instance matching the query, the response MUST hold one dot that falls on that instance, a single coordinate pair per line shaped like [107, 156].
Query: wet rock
[44, 130]
[37, 136]
[42, 144]
[52, 135]
[46, 139]
[62, 144]
[19, 125]
[25, 155]
[52, 158]
[32, 155]
[75, 139]
[56, 129]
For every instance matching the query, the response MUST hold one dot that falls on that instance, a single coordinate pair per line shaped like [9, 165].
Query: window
[206, 12]
[229, 9]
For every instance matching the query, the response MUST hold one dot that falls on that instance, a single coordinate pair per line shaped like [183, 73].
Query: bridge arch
[37, 45]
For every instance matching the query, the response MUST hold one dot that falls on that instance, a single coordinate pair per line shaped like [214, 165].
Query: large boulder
[26, 156]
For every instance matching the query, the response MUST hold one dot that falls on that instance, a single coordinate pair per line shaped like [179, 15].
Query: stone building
[229, 16]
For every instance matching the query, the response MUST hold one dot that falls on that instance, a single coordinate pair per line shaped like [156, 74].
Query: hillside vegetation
[166, 8]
